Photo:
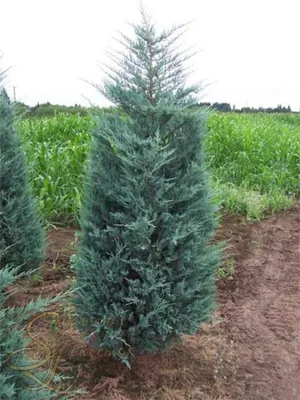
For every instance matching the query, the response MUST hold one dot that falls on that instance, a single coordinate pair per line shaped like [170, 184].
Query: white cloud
[250, 49]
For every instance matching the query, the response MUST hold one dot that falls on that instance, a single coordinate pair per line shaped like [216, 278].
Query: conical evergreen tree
[145, 267]
[20, 228]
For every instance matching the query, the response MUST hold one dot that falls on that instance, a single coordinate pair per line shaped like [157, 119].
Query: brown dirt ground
[263, 308]
[250, 351]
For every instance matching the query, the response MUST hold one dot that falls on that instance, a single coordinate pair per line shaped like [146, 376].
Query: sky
[248, 51]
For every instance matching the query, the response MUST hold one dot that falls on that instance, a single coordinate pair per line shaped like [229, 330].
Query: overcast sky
[249, 51]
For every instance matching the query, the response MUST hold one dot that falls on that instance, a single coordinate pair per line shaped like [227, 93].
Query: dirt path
[263, 311]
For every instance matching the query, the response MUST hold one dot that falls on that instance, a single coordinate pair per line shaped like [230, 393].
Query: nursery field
[250, 350]
[178, 278]
[254, 161]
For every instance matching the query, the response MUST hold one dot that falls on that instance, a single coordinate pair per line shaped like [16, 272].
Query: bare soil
[250, 351]
[262, 306]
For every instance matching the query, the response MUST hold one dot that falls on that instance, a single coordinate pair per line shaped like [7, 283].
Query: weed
[37, 279]
[226, 271]
[257, 245]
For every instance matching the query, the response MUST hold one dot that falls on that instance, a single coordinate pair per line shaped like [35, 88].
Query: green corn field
[254, 161]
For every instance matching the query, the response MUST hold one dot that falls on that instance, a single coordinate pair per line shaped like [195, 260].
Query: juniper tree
[14, 385]
[20, 228]
[145, 266]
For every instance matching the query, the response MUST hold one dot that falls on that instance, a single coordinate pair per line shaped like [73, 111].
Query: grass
[254, 159]
[252, 203]
[226, 271]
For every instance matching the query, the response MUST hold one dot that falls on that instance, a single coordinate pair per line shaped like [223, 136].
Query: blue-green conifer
[145, 265]
[14, 384]
[21, 233]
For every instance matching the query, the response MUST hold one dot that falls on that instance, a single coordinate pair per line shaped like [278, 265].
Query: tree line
[226, 107]
[49, 110]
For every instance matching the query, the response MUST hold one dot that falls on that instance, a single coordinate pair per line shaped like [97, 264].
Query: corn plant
[56, 149]
[254, 160]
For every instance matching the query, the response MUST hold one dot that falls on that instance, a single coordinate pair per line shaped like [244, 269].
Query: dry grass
[203, 367]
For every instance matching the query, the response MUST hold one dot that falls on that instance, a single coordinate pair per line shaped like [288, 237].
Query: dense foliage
[145, 269]
[21, 233]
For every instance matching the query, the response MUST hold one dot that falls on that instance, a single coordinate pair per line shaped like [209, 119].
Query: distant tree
[222, 107]
[21, 110]
[205, 104]
[5, 95]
